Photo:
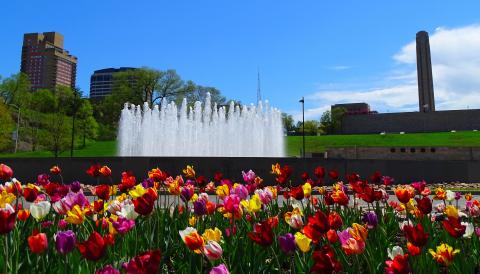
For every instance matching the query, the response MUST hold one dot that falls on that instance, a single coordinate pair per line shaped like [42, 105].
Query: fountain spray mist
[253, 131]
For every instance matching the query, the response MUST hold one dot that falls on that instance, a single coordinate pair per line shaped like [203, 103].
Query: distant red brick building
[46, 62]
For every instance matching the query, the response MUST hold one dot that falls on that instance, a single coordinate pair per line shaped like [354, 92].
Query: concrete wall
[406, 153]
[404, 171]
[412, 122]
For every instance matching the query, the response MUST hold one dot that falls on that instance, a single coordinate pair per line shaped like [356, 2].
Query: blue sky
[327, 51]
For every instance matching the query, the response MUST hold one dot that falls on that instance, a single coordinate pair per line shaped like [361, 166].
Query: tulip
[325, 261]
[469, 229]
[39, 210]
[454, 227]
[424, 205]
[253, 205]
[262, 233]
[65, 241]
[212, 235]
[302, 242]
[146, 262]
[137, 192]
[370, 218]
[144, 205]
[23, 214]
[287, 243]
[191, 238]
[222, 191]
[413, 250]
[7, 219]
[399, 264]
[316, 226]
[75, 216]
[339, 197]
[248, 177]
[332, 236]
[221, 269]
[75, 186]
[404, 193]
[55, 170]
[189, 172]
[359, 232]
[103, 192]
[200, 207]
[297, 193]
[37, 242]
[394, 251]
[212, 250]
[5, 172]
[123, 225]
[108, 269]
[30, 193]
[94, 170]
[187, 192]
[94, 248]
[444, 254]
[105, 171]
[294, 219]
[415, 234]
[6, 198]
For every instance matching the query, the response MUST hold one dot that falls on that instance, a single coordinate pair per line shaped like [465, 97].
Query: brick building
[46, 62]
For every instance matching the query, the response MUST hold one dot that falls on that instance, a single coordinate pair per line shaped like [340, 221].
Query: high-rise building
[46, 62]
[102, 81]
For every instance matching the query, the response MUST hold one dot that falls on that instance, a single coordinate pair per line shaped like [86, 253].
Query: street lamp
[18, 125]
[303, 125]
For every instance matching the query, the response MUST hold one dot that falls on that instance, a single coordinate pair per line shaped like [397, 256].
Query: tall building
[424, 73]
[46, 62]
[102, 81]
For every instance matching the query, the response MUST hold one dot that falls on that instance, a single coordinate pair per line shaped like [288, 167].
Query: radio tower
[259, 94]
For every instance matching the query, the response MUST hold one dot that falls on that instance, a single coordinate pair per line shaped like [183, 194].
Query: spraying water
[254, 131]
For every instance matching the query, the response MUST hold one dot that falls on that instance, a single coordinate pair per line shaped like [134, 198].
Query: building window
[402, 149]
[393, 150]
[412, 150]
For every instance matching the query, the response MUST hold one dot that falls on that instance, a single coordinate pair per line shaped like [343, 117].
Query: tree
[88, 126]
[13, 87]
[331, 121]
[311, 127]
[288, 122]
[193, 92]
[6, 127]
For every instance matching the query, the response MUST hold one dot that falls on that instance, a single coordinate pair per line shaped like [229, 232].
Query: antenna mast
[259, 94]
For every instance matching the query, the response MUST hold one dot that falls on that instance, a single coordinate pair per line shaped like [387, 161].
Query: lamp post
[18, 125]
[303, 125]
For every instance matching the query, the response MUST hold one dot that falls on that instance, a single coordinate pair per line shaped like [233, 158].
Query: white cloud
[338, 68]
[456, 72]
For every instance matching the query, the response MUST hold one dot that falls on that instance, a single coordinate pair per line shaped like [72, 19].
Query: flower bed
[192, 224]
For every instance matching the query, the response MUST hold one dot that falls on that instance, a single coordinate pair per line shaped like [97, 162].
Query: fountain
[247, 131]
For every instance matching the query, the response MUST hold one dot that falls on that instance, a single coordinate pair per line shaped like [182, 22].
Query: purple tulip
[200, 207]
[287, 243]
[123, 225]
[43, 179]
[370, 218]
[221, 269]
[186, 193]
[75, 186]
[249, 176]
[108, 269]
[65, 241]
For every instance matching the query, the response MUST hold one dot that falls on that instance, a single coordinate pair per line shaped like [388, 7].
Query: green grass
[312, 143]
[92, 149]
[320, 143]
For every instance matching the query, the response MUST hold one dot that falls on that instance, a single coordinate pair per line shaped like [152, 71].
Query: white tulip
[40, 209]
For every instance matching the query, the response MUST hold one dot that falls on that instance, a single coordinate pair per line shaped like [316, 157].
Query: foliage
[7, 126]
[13, 88]
[311, 127]
[288, 123]
[331, 121]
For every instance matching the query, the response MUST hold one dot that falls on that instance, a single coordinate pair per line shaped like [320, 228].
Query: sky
[327, 51]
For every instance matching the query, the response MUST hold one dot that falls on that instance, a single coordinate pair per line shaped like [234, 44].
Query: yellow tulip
[6, 198]
[75, 216]
[303, 242]
[276, 169]
[189, 172]
[444, 254]
[252, 205]
[222, 191]
[359, 232]
[451, 211]
[307, 189]
[137, 192]
[212, 235]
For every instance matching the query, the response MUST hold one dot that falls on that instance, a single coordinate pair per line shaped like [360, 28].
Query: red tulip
[157, 175]
[102, 192]
[319, 172]
[335, 220]
[297, 193]
[55, 170]
[129, 181]
[7, 219]
[144, 263]
[5, 172]
[37, 242]
[105, 171]
[413, 250]
[416, 235]
[399, 265]
[453, 226]
[262, 234]
[404, 194]
[325, 261]
[94, 170]
[424, 205]
[30, 193]
[333, 174]
[317, 226]
[304, 176]
[144, 205]
[94, 248]
[370, 195]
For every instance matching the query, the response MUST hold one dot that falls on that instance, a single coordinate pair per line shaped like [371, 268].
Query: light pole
[18, 125]
[303, 125]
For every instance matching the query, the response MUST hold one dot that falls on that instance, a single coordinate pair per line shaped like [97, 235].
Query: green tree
[311, 127]
[331, 121]
[288, 122]
[13, 88]
[193, 92]
[6, 127]
[88, 126]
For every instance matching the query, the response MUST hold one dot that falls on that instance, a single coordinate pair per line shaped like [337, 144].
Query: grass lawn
[312, 143]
